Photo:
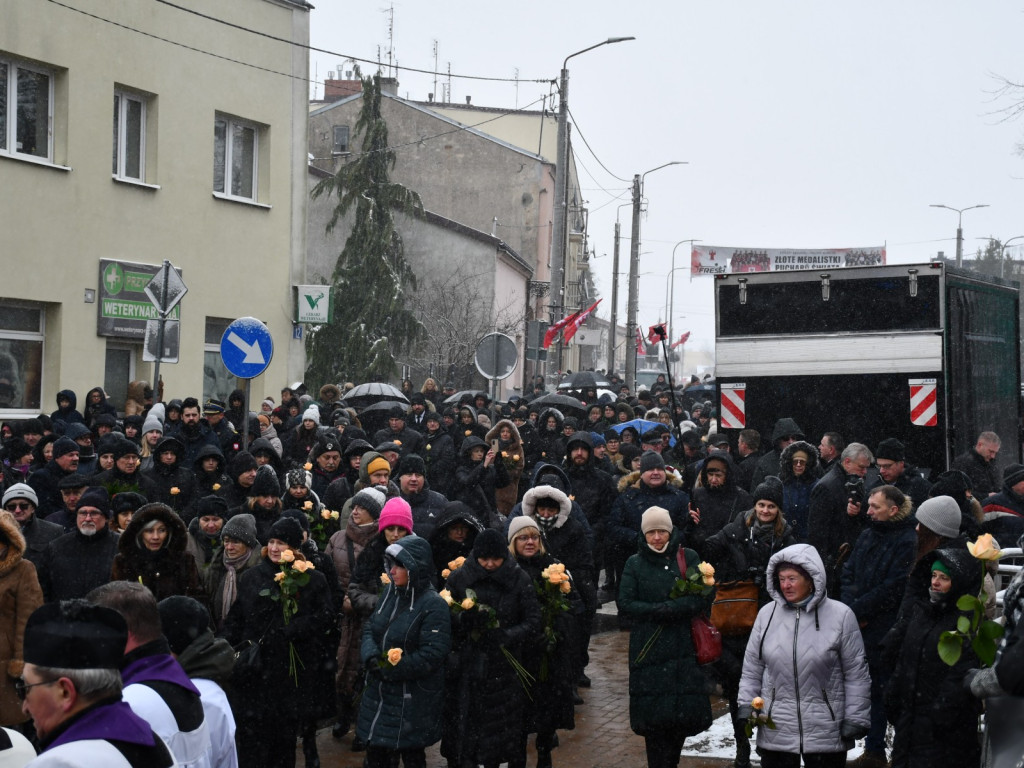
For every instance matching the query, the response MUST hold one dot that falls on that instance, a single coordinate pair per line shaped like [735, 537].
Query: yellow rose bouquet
[553, 594]
[293, 574]
[389, 659]
[323, 523]
[696, 581]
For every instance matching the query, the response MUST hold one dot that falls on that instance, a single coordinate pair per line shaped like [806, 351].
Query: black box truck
[925, 353]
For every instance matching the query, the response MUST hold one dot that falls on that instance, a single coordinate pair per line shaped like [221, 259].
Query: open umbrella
[561, 402]
[641, 426]
[584, 380]
[375, 415]
[471, 393]
[373, 392]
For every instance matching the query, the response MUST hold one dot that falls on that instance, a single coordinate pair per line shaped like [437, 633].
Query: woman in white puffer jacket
[805, 658]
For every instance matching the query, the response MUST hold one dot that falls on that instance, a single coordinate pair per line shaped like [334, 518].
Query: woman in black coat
[740, 552]
[936, 719]
[485, 699]
[269, 708]
[478, 475]
[453, 536]
[549, 655]
[173, 484]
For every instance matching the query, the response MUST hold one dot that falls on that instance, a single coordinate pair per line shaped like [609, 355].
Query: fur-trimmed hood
[786, 458]
[494, 432]
[16, 542]
[547, 492]
[632, 480]
[129, 542]
[542, 421]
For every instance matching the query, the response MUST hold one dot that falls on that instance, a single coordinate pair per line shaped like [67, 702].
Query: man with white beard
[77, 562]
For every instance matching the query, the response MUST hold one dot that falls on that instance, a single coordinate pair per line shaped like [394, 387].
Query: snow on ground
[717, 741]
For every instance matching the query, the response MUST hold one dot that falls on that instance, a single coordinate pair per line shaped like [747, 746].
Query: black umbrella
[373, 392]
[381, 406]
[584, 380]
[471, 393]
[561, 402]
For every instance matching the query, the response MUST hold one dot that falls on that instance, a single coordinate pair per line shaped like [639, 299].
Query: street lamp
[561, 193]
[672, 302]
[959, 227]
[634, 269]
[1002, 260]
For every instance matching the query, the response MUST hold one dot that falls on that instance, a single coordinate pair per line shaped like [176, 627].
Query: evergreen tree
[372, 322]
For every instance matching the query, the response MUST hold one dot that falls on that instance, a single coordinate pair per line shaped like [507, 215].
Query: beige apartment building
[137, 132]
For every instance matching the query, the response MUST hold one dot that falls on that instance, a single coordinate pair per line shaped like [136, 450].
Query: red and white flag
[657, 333]
[682, 340]
[640, 348]
[579, 319]
[553, 330]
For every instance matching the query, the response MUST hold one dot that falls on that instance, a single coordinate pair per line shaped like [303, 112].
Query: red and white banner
[733, 411]
[682, 340]
[657, 333]
[923, 408]
[640, 348]
[579, 319]
[718, 260]
[552, 332]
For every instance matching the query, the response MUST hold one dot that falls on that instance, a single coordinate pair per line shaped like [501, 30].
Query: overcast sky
[805, 124]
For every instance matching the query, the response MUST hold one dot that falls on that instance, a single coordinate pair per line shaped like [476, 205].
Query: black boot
[309, 749]
[742, 752]
[543, 758]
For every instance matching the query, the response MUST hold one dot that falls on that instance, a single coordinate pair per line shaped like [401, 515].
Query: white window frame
[39, 336]
[122, 99]
[230, 125]
[11, 117]
[334, 140]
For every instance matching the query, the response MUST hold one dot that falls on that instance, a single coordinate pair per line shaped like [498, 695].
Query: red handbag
[707, 640]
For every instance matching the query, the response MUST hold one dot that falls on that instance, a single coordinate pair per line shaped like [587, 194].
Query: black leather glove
[852, 731]
[743, 713]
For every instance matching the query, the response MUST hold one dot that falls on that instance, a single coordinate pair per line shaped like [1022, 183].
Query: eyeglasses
[18, 506]
[21, 690]
[799, 462]
[90, 513]
[529, 537]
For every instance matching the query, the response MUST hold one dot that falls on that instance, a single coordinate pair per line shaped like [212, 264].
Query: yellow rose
[385, 579]
[757, 703]
[335, 515]
[279, 576]
[175, 491]
[504, 454]
[985, 548]
[446, 595]
[429, 447]
[565, 587]
[469, 432]
[515, 457]
[557, 567]
[307, 466]
[302, 565]
[308, 505]
[456, 563]
[467, 603]
[216, 486]
[325, 514]
[445, 573]
[287, 556]
[707, 570]
[394, 656]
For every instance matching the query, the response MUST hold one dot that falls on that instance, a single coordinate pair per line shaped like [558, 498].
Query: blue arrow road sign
[246, 348]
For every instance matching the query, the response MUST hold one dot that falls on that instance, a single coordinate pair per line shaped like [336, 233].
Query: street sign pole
[162, 309]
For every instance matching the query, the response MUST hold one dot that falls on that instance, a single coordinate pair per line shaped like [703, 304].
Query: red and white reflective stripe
[733, 410]
[923, 409]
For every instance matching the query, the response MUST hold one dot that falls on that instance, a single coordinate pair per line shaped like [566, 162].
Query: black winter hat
[266, 482]
[183, 620]
[298, 516]
[126, 501]
[63, 446]
[611, 434]
[411, 464]
[75, 480]
[242, 528]
[97, 497]
[107, 443]
[490, 544]
[210, 506]
[288, 530]
[243, 461]
[769, 490]
[580, 437]
[125, 447]
[370, 499]
[397, 412]
[651, 460]
[75, 634]
[1013, 474]
[890, 449]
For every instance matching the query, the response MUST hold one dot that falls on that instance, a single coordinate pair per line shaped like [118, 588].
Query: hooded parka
[20, 595]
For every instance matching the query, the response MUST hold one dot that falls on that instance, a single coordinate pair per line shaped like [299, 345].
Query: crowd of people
[431, 573]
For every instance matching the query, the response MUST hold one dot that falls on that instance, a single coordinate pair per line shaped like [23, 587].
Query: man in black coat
[44, 482]
[192, 432]
[891, 460]
[716, 500]
[979, 464]
[77, 562]
[427, 505]
[21, 501]
[438, 453]
[785, 431]
[396, 431]
[835, 520]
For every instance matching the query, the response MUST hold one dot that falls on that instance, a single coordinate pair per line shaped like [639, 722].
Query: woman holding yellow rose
[549, 655]
[668, 698]
[404, 647]
[268, 710]
[510, 453]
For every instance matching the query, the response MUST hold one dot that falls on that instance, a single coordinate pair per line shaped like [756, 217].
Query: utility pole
[615, 303]
[634, 288]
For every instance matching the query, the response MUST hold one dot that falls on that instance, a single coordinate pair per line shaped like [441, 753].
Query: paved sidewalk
[602, 738]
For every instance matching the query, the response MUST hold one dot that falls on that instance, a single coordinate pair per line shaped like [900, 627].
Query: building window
[26, 110]
[21, 355]
[129, 160]
[235, 153]
[217, 380]
[340, 140]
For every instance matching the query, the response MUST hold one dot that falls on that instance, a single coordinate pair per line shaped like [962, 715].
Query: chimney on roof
[389, 85]
[468, 100]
